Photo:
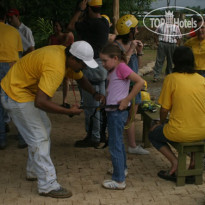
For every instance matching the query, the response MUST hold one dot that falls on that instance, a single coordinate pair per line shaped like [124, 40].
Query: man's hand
[98, 97]
[75, 110]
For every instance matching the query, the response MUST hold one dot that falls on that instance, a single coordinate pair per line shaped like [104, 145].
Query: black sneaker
[86, 142]
[58, 193]
[7, 128]
[21, 143]
[3, 144]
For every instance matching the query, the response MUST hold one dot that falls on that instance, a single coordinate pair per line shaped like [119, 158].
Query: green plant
[44, 29]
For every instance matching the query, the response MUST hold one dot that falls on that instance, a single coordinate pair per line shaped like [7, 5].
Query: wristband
[140, 54]
[81, 10]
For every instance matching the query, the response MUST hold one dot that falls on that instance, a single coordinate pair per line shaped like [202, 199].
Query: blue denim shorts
[157, 137]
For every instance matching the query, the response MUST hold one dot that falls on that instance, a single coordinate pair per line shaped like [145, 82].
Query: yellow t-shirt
[198, 49]
[10, 43]
[43, 68]
[184, 95]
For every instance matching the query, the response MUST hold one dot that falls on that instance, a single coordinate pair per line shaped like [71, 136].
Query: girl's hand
[123, 104]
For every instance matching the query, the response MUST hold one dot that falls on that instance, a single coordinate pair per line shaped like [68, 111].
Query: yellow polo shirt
[198, 49]
[184, 95]
[43, 68]
[10, 43]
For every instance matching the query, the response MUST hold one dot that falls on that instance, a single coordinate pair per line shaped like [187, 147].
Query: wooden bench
[148, 117]
[183, 150]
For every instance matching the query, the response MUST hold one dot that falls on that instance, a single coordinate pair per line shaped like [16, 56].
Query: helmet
[145, 85]
[125, 23]
[106, 17]
[145, 96]
[95, 2]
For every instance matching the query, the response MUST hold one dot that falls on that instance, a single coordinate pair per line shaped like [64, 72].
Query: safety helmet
[145, 85]
[106, 17]
[145, 96]
[125, 23]
[95, 2]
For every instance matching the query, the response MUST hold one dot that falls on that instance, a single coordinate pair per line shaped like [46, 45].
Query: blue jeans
[116, 121]
[157, 137]
[4, 68]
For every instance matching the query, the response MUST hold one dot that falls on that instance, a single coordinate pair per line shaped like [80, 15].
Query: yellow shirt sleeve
[73, 75]
[50, 80]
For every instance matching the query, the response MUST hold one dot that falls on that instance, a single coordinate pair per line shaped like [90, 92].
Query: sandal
[165, 175]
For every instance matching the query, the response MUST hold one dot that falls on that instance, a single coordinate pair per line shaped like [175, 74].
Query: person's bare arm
[139, 82]
[78, 13]
[65, 90]
[86, 85]
[43, 102]
[163, 115]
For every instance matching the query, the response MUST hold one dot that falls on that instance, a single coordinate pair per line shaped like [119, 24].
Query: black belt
[202, 72]
[166, 42]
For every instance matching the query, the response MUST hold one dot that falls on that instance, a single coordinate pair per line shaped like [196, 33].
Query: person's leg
[4, 68]
[116, 122]
[29, 122]
[132, 146]
[159, 60]
[2, 128]
[92, 123]
[30, 164]
[167, 152]
[159, 141]
[169, 53]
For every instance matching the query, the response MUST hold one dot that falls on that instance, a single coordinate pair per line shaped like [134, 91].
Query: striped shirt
[170, 33]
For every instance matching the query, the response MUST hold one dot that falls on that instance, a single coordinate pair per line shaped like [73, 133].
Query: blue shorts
[157, 137]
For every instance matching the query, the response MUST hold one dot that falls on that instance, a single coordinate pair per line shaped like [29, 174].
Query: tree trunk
[116, 6]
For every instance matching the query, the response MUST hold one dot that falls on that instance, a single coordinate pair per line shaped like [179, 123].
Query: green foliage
[37, 14]
[134, 7]
[44, 29]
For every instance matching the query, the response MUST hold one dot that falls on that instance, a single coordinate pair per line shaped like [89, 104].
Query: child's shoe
[111, 184]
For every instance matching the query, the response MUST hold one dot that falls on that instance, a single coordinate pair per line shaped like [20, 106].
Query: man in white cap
[26, 93]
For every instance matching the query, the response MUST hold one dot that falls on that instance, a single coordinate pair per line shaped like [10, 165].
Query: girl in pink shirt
[117, 93]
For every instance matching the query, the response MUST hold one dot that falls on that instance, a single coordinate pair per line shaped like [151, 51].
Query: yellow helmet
[145, 96]
[125, 23]
[145, 85]
[106, 17]
[95, 2]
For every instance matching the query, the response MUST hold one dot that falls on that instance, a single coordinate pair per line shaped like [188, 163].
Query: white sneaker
[111, 184]
[137, 150]
[110, 171]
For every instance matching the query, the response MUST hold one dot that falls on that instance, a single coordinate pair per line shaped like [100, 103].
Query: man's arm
[78, 13]
[163, 115]
[43, 102]
[65, 90]
[87, 86]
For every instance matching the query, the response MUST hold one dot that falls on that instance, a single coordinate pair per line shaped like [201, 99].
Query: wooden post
[116, 8]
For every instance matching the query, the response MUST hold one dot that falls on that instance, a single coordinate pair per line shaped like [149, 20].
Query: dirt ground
[82, 170]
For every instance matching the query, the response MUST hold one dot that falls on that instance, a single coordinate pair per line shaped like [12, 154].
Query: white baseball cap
[84, 51]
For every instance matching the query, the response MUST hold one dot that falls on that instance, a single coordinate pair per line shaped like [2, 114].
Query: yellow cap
[95, 2]
[107, 17]
[125, 23]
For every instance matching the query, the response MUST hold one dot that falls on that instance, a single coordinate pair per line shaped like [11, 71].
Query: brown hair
[113, 50]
